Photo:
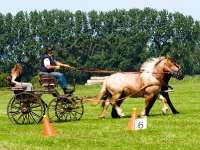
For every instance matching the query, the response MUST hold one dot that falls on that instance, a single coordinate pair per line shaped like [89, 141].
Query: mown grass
[164, 132]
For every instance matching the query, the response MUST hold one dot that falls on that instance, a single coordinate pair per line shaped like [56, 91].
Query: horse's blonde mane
[147, 67]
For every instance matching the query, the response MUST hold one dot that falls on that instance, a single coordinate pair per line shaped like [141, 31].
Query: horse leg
[105, 106]
[165, 108]
[111, 100]
[147, 104]
[114, 113]
[118, 109]
[115, 108]
[151, 103]
[166, 95]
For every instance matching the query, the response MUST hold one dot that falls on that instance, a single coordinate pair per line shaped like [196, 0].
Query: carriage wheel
[79, 108]
[25, 108]
[61, 109]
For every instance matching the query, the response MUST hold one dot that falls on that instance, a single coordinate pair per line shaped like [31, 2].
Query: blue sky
[186, 7]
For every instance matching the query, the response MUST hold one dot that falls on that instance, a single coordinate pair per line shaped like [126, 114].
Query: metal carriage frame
[27, 107]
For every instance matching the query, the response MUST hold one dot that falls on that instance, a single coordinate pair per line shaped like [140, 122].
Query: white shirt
[46, 62]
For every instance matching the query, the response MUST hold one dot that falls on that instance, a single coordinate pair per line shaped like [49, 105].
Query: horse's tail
[101, 94]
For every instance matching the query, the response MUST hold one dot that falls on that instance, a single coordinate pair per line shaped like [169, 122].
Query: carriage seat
[12, 86]
[47, 81]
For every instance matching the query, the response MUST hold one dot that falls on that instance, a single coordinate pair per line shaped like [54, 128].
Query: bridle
[175, 72]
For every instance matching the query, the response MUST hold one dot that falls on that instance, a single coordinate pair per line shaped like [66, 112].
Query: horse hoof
[143, 115]
[176, 112]
[101, 117]
[164, 111]
[122, 115]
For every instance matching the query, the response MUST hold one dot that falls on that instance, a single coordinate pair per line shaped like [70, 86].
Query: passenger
[16, 77]
[49, 65]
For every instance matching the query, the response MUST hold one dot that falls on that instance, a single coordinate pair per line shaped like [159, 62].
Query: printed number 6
[140, 125]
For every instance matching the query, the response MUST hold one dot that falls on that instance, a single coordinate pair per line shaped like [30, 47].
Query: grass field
[164, 132]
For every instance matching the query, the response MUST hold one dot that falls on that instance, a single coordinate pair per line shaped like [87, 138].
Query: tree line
[118, 40]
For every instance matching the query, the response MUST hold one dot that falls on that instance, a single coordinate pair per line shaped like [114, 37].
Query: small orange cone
[48, 129]
[131, 124]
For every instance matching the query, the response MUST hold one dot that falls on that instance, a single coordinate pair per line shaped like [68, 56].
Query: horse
[147, 83]
[164, 93]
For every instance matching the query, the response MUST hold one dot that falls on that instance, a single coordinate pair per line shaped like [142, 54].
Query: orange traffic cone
[48, 129]
[131, 124]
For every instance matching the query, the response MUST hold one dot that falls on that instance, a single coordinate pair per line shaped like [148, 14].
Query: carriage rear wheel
[61, 109]
[25, 108]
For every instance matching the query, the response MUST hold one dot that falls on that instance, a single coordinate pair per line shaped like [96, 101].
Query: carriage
[150, 83]
[28, 107]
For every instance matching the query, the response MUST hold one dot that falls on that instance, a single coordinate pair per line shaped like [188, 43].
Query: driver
[49, 64]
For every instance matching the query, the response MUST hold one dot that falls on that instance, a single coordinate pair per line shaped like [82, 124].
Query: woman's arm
[14, 76]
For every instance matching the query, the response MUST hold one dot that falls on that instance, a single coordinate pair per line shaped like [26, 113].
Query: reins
[93, 71]
[108, 71]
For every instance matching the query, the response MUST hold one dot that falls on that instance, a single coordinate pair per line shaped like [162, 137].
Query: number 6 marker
[141, 123]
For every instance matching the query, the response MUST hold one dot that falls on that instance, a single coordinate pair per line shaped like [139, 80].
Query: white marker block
[141, 123]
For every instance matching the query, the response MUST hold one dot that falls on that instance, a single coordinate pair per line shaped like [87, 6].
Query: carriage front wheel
[25, 108]
[61, 109]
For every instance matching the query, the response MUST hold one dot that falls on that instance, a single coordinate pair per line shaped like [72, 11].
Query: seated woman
[16, 77]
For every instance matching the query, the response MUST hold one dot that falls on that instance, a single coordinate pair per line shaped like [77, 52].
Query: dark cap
[48, 49]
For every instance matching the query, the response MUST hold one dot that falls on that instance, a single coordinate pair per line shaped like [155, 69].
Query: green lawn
[164, 132]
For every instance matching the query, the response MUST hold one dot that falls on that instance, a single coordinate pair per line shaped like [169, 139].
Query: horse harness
[160, 83]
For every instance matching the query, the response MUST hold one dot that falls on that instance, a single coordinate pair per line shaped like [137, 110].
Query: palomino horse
[147, 83]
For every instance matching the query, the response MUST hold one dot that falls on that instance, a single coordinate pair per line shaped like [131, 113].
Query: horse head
[174, 69]
[160, 66]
